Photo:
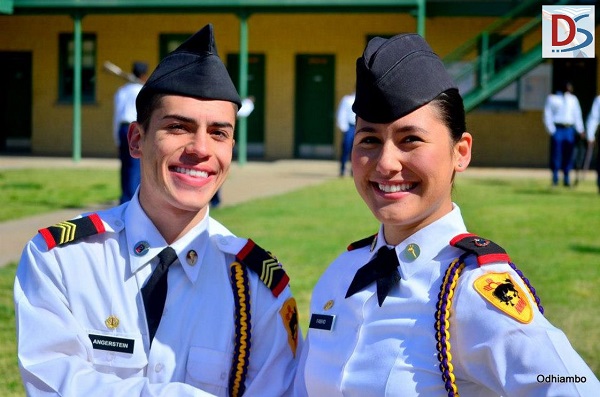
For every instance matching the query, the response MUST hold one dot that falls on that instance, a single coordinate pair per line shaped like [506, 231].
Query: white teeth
[190, 172]
[395, 188]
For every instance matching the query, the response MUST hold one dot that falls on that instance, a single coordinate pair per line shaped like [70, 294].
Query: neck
[173, 223]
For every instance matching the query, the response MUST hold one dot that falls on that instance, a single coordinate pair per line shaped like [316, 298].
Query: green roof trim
[6, 6]
[162, 6]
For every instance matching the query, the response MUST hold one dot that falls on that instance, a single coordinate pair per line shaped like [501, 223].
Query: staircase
[484, 65]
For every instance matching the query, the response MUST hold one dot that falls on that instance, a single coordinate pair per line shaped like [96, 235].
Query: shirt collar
[144, 242]
[423, 246]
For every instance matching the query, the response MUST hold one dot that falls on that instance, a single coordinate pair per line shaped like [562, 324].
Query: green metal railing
[477, 58]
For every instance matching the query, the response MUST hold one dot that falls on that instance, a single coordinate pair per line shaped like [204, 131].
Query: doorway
[15, 101]
[314, 120]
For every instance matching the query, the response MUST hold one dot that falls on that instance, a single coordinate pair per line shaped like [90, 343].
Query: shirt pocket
[208, 370]
[110, 355]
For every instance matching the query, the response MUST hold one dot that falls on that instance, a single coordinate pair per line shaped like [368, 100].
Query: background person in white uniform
[124, 114]
[96, 316]
[563, 121]
[424, 308]
[592, 122]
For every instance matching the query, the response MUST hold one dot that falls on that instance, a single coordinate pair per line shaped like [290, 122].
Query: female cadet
[423, 307]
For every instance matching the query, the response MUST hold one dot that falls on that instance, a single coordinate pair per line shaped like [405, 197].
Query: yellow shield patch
[501, 291]
[289, 315]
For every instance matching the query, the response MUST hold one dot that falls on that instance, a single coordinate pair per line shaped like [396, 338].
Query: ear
[462, 152]
[135, 135]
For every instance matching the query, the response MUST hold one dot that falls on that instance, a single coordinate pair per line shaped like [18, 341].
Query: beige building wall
[502, 138]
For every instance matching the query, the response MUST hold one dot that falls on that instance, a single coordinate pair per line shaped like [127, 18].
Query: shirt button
[158, 367]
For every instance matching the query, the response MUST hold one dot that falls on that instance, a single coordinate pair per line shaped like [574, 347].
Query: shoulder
[485, 250]
[364, 242]
[256, 259]
[78, 229]
[69, 231]
[495, 281]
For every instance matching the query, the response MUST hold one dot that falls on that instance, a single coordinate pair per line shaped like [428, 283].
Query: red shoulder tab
[68, 231]
[265, 265]
[362, 243]
[486, 250]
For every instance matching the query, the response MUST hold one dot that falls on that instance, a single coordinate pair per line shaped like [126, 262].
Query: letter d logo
[556, 18]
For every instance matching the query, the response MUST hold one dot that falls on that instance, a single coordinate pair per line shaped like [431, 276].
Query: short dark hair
[144, 112]
[452, 112]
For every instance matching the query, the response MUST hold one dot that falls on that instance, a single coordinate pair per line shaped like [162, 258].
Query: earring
[460, 165]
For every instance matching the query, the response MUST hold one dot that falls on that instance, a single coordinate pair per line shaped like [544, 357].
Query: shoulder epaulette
[265, 265]
[68, 231]
[485, 250]
[362, 243]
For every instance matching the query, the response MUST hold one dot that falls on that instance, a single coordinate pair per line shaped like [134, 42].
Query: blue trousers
[346, 148]
[130, 167]
[562, 145]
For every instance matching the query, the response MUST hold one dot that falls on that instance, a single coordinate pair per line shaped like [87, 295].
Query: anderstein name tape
[121, 345]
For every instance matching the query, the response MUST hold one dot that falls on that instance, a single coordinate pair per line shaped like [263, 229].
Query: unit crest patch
[501, 291]
[68, 231]
[289, 316]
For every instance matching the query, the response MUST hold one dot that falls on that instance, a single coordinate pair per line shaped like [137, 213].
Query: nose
[198, 144]
[389, 160]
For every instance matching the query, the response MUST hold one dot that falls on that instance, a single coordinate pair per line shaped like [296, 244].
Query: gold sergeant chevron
[68, 231]
[265, 265]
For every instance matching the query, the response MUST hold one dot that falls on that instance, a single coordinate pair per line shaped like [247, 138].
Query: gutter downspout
[77, 65]
[242, 122]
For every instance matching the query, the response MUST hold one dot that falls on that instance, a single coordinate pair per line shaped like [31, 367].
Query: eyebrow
[219, 124]
[403, 129]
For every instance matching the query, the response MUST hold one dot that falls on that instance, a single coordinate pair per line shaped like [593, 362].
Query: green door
[314, 120]
[15, 101]
[256, 88]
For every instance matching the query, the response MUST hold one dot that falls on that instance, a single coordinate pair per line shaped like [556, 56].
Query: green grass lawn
[551, 234]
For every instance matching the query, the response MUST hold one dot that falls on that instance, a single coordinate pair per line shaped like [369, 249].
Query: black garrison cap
[193, 69]
[397, 76]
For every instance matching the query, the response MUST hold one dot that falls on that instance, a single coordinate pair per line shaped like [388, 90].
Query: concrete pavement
[252, 180]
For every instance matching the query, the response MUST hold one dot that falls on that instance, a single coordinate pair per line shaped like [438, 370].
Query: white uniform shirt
[124, 107]
[344, 115]
[593, 120]
[65, 294]
[562, 109]
[391, 350]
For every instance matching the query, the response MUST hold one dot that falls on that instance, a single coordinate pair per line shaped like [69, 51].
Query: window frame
[66, 42]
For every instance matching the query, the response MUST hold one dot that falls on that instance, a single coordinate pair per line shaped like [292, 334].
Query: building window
[168, 42]
[88, 70]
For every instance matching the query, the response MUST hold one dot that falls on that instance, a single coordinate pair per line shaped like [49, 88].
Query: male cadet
[89, 293]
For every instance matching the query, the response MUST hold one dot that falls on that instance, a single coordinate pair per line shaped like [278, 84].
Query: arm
[272, 360]
[593, 120]
[577, 116]
[496, 352]
[54, 351]
[548, 116]
[299, 385]
[341, 118]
